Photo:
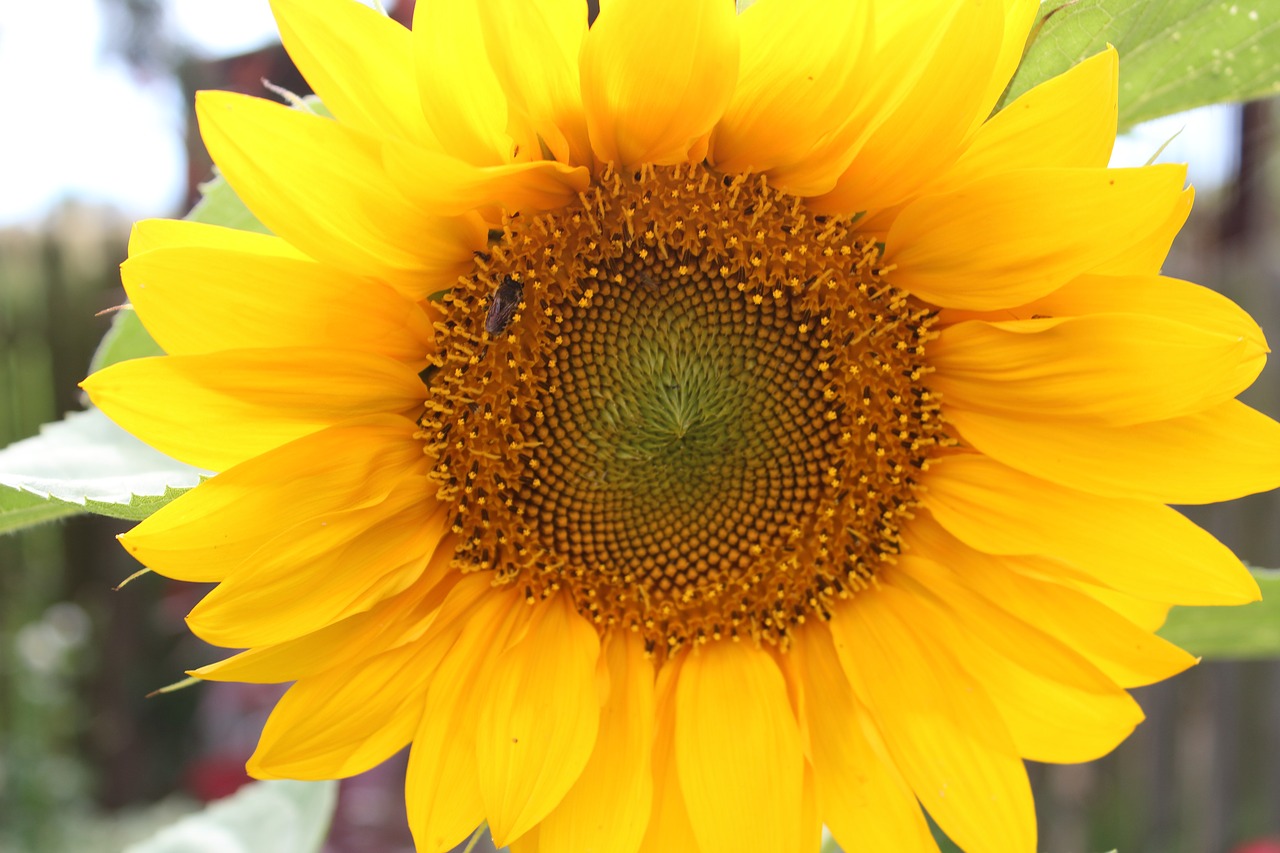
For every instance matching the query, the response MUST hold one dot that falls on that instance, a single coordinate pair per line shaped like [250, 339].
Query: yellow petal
[1224, 452]
[1123, 651]
[1019, 15]
[863, 798]
[341, 723]
[449, 187]
[802, 69]
[442, 785]
[387, 625]
[1146, 614]
[1057, 705]
[356, 60]
[738, 751]
[1113, 369]
[607, 809]
[1013, 237]
[351, 718]
[938, 724]
[1146, 256]
[656, 77]
[1144, 549]
[150, 234]
[215, 411]
[669, 828]
[1067, 121]
[533, 47]
[198, 300]
[538, 719]
[301, 580]
[1148, 294]
[323, 187]
[1155, 295]
[530, 842]
[461, 95]
[207, 532]
[938, 59]
[810, 815]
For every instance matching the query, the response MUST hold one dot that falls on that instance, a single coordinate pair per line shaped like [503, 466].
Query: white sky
[73, 124]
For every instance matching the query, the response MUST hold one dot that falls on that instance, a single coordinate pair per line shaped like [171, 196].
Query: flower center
[686, 402]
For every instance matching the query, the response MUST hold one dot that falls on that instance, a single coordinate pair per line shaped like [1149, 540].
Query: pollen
[704, 415]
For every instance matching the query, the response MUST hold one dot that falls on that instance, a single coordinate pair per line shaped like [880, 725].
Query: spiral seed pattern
[705, 417]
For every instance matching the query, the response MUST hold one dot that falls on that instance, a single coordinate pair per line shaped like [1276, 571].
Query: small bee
[503, 305]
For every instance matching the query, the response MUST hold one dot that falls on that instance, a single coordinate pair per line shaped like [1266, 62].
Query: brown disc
[687, 402]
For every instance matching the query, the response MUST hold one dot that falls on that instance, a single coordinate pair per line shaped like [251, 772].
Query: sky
[80, 124]
[77, 124]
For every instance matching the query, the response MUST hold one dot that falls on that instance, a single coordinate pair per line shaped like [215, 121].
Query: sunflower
[688, 429]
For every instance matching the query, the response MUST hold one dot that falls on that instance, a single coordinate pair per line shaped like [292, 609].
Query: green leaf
[87, 463]
[264, 817]
[138, 507]
[19, 509]
[125, 339]
[1249, 631]
[219, 205]
[1174, 54]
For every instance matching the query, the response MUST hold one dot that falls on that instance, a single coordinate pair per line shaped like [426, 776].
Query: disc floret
[705, 417]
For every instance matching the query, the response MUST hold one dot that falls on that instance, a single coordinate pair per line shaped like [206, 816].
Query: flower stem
[475, 838]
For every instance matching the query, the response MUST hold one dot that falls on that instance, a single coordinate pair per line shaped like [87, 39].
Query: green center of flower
[687, 403]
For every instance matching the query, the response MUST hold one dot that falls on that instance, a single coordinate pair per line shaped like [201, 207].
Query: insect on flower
[502, 307]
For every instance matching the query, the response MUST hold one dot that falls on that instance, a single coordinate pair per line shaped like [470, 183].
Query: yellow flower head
[693, 428]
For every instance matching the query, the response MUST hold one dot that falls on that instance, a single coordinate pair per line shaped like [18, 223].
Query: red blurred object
[215, 777]
[1259, 845]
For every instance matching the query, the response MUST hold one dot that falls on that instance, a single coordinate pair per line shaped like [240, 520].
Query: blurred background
[96, 131]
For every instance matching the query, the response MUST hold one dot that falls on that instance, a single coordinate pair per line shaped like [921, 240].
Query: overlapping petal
[1057, 705]
[207, 533]
[1013, 237]
[322, 187]
[1238, 453]
[345, 720]
[538, 719]
[656, 77]
[943, 732]
[1068, 121]
[460, 92]
[1124, 651]
[933, 64]
[389, 624]
[354, 58]
[298, 583]
[861, 794]
[442, 786]
[216, 410]
[196, 300]
[1112, 369]
[669, 827]
[804, 69]
[1141, 548]
[738, 751]
[534, 49]
[607, 809]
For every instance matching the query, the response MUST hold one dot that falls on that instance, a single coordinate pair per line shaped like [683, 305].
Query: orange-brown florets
[685, 401]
